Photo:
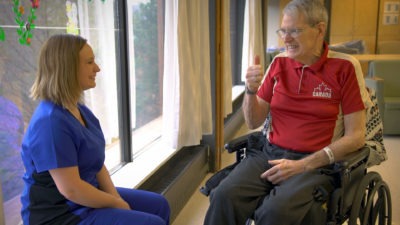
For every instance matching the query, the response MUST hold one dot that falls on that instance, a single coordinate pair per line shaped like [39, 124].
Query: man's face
[302, 41]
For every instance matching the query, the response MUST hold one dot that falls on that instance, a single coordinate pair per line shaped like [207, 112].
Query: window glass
[145, 32]
[236, 27]
[97, 21]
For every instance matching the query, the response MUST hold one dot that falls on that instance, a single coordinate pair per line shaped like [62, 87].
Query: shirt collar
[318, 64]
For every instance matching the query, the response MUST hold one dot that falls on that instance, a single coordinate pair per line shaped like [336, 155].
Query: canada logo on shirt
[322, 91]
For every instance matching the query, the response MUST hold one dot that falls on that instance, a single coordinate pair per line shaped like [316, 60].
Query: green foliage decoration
[25, 27]
[2, 34]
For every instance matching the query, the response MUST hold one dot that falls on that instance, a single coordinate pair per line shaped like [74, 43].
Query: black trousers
[243, 194]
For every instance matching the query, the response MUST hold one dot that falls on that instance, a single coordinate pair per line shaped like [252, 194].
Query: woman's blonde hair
[57, 75]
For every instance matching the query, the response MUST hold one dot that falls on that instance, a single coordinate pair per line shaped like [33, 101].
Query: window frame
[123, 85]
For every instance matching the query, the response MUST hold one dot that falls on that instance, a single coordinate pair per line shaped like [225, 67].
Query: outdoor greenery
[148, 77]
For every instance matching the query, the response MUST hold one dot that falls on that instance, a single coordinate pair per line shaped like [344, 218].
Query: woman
[66, 181]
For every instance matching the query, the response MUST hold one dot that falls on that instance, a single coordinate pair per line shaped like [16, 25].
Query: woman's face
[87, 68]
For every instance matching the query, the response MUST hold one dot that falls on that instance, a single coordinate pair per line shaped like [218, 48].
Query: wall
[387, 32]
[354, 19]
[349, 20]
[362, 19]
[2, 220]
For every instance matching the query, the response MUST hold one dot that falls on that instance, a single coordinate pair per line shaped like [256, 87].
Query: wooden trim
[219, 88]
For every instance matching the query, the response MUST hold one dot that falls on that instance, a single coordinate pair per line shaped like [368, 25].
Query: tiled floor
[194, 211]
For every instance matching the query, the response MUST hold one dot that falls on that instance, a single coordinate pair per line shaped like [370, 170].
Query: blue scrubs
[56, 139]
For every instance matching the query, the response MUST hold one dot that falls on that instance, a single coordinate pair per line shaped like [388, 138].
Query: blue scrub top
[56, 139]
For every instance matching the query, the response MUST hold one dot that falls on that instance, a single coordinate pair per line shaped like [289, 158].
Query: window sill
[237, 90]
[135, 173]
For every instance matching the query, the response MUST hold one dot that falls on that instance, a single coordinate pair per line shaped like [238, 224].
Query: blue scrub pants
[148, 208]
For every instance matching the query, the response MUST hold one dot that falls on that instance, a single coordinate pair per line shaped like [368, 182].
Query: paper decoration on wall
[72, 15]
[25, 27]
[2, 34]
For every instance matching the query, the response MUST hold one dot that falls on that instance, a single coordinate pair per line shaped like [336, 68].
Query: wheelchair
[360, 197]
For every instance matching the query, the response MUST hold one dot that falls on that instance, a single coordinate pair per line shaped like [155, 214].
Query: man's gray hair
[313, 10]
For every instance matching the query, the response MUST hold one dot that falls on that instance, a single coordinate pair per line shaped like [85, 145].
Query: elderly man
[316, 99]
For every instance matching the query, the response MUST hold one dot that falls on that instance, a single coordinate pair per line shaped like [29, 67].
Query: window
[236, 26]
[145, 41]
[98, 22]
[102, 24]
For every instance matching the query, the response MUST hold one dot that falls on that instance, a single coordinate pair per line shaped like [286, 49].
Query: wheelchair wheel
[372, 203]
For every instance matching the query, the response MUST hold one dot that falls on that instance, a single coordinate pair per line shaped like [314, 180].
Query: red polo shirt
[308, 102]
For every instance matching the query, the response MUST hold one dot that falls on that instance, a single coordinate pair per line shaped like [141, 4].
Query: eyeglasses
[294, 33]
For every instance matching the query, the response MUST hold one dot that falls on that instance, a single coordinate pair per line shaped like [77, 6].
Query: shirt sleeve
[53, 144]
[354, 94]
[266, 89]
[361, 83]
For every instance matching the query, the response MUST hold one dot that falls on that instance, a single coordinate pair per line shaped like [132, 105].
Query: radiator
[180, 177]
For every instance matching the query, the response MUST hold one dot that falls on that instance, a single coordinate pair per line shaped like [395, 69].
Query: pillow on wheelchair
[374, 132]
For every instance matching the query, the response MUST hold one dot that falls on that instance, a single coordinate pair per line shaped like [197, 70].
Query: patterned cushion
[374, 132]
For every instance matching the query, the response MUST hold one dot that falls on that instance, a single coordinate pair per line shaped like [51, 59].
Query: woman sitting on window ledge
[66, 181]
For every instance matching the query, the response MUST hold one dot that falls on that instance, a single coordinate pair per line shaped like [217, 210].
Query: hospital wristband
[330, 155]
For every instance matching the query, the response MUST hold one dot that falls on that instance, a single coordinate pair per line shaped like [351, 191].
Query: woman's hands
[122, 204]
[73, 188]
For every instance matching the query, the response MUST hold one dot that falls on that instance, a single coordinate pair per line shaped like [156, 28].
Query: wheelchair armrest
[240, 142]
[353, 159]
